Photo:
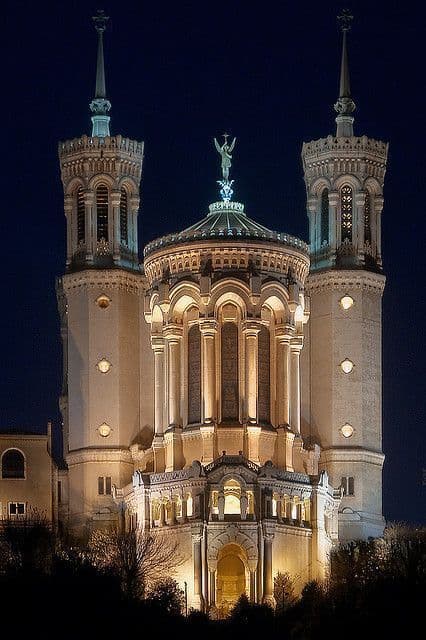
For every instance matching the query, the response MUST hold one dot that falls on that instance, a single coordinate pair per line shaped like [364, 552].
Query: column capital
[251, 327]
[157, 343]
[88, 196]
[296, 343]
[333, 198]
[134, 203]
[284, 332]
[312, 204]
[378, 203]
[172, 332]
[208, 326]
[360, 198]
[68, 204]
[115, 197]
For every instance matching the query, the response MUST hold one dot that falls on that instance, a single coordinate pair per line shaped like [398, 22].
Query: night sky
[178, 74]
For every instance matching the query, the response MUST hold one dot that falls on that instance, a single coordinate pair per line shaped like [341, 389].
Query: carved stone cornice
[226, 254]
[352, 454]
[107, 279]
[95, 454]
[343, 280]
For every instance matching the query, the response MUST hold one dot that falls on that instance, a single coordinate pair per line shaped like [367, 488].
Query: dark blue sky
[178, 74]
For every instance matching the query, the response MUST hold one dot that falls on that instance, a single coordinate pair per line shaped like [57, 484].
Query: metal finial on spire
[344, 106]
[100, 105]
[225, 151]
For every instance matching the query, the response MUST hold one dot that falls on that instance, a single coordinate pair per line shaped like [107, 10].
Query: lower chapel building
[228, 389]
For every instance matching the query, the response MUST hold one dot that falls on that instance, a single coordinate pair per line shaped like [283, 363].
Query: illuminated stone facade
[228, 389]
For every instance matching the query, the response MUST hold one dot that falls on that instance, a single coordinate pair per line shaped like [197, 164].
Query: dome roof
[225, 220]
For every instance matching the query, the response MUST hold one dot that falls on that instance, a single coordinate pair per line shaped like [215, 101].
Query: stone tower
[342, 365]
[99, 298]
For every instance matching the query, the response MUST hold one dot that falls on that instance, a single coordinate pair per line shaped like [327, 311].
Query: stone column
[221, 505]
[243, 506]
[133, 224]
[208, 330]
[377, 214]
[196, 553]
[116, 234]
[157, 344]
[358, 224]
[251, 330]
[71, 235]
[283, 336]
[184, 509]
[173, 336]
[268, 594]
[295, 348]
[212, 587]
[90, 229]
[334, 228]
[252, 585]
[313, 206]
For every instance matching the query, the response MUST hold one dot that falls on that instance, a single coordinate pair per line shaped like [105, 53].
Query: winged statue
[225, 152]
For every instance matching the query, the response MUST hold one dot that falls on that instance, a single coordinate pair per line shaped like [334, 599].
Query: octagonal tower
[344, 177]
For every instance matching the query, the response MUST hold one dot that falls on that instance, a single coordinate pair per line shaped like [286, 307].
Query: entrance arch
[232, 576]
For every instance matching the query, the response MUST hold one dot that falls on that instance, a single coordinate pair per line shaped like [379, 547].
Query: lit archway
[232, 577]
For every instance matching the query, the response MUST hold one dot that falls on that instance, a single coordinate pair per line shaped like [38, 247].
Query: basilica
[226, 389]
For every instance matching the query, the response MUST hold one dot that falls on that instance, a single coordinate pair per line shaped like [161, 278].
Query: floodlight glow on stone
[104, 365]
[104, 430]
[347, 430]
[346, 302]
[347, 365]
[103, 301]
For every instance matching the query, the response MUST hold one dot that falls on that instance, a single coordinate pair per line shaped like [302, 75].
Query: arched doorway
[231, 577]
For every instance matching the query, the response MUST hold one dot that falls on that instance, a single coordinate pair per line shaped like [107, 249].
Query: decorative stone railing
[317, 148]
[221, 233]
[112, 143]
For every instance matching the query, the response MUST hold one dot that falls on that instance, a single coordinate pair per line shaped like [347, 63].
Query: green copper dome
[225, 220]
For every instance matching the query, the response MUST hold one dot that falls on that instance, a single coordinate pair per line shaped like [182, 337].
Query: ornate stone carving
[264, 375]
[194, 375]
[230, 395]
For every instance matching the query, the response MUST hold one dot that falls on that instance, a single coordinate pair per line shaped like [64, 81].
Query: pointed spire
[100, 105]
[344, 106]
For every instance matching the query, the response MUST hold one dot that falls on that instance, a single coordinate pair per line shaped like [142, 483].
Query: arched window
[264, 375]
[367, 218]
[194, 375]
[232, 492]
[102, 212]
[346, 206]
[123, 216]
[81, 216]
[230, 404]
[13, 464]
[324, 216]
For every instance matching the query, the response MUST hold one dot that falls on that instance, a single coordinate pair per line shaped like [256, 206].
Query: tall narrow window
[324, 216]
[123, 216]
[367, 218]
[348, 484]
[194, 375]
[102, 212]
[230, 404]
[346, 199]
[81, 216]
[264, 372]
